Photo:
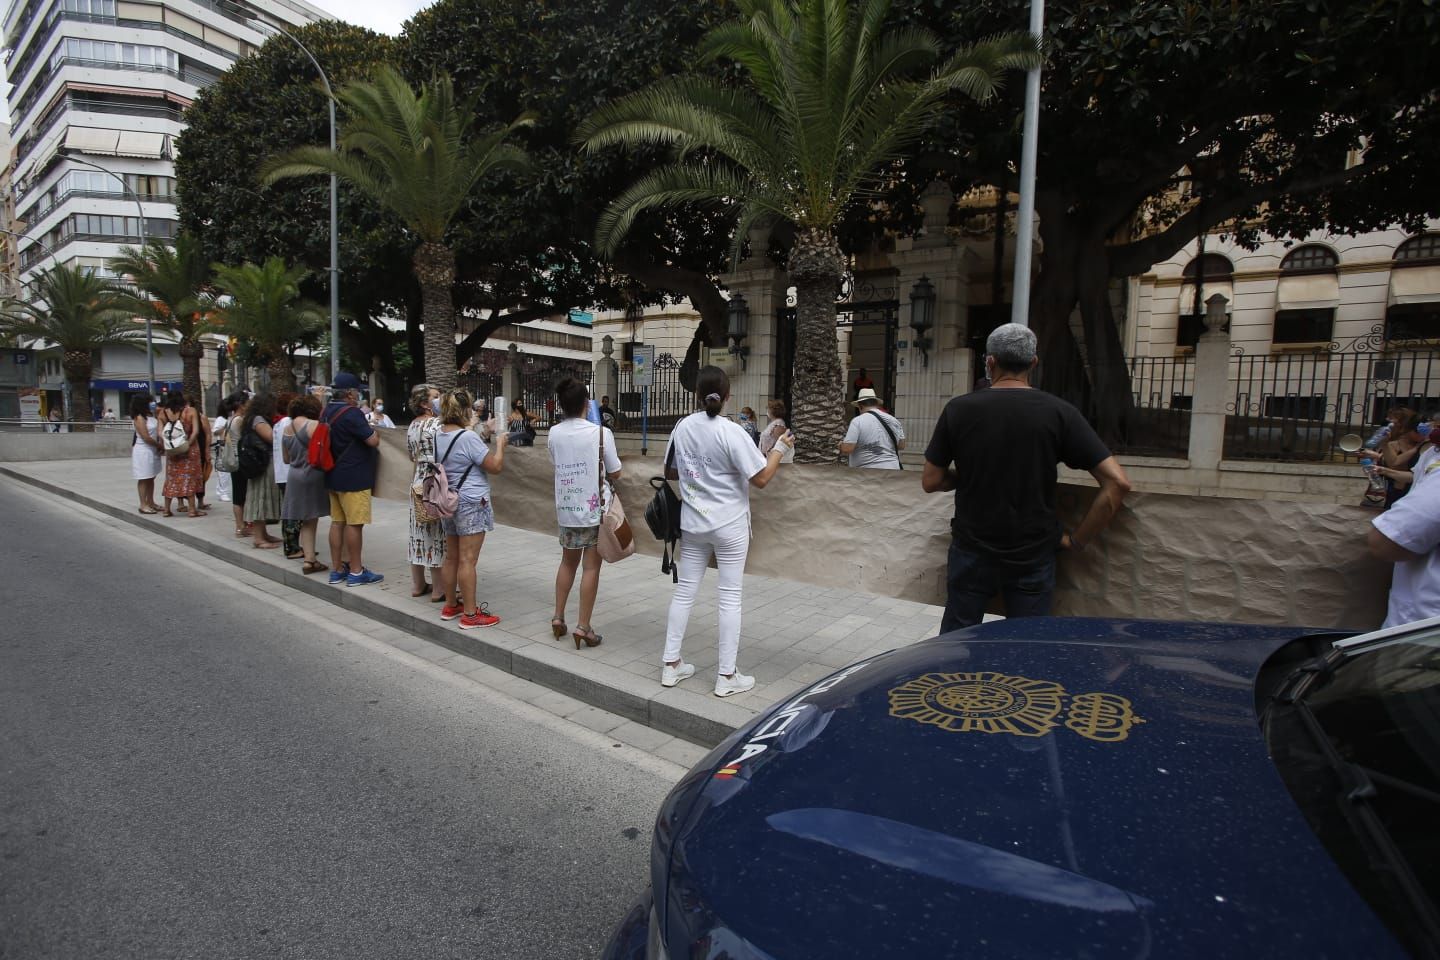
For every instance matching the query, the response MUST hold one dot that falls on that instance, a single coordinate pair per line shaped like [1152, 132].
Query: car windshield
[1358, 742]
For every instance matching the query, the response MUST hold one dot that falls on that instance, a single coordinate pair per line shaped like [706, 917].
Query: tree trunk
[818, 395]
[435, 269]
[191, 351]
[1074, 273]
[282, 373]
[78, 365]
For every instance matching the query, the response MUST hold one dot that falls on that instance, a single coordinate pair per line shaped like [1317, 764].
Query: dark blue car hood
[1057, 788]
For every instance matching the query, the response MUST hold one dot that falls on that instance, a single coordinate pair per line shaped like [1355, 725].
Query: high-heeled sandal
[591, 638]
[558, 627]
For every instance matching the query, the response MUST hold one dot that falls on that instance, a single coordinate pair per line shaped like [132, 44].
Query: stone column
[923, 385]
[763, 286]
[607, 372]
[510, 379]
[1212, 385]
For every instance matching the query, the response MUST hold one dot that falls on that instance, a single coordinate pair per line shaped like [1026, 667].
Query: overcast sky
[386, 16]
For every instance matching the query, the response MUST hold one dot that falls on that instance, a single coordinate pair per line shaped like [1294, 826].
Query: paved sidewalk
[793, 633]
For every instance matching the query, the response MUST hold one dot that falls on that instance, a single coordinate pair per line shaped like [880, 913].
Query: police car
[1069, 788]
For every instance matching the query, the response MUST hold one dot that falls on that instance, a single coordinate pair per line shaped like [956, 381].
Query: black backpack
[662, 516]
[253, 453]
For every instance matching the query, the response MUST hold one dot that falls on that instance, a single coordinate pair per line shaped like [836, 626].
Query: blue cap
[345, 381]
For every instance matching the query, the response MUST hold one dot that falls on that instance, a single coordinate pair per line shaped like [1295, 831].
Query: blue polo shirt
[355, 460]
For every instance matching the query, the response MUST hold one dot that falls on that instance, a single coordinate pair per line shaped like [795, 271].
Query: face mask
[379, 408]
[435, 406]
[744, 418]
[154, 406]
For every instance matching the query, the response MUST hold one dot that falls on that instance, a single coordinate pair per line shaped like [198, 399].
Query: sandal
[591, 638]
[265, 545]
[557, 626]
[147, 510]
[313, 566]
[167, 513]
[421, 592]
[437, 598]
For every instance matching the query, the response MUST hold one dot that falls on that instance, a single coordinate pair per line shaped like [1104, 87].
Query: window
[1211, 269]
[94, 8]
[1311, 258]
[1304, 326]
[1413, 321]
[1424, 247]
[1296, 407]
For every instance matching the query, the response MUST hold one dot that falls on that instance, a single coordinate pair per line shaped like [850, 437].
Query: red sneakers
[480, 618]
[448, 612]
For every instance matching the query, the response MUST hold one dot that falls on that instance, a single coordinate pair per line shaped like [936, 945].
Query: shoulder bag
[226, 457]
[617, 541]
[891, 434]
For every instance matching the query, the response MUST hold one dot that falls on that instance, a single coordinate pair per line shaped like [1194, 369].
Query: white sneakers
[724, 686]
[735, 683]
[673, 675]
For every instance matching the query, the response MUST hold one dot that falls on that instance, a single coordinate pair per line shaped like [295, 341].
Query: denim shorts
[471, 517]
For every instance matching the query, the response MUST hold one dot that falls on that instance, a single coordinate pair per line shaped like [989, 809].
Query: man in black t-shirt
[998, 449]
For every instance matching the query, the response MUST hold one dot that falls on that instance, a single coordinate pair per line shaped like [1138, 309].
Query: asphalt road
[191, 769]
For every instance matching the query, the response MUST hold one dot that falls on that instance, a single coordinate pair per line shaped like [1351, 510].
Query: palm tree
[171, 284]
[830, 97]
[79, 312]
[266, 309]
[419, 157]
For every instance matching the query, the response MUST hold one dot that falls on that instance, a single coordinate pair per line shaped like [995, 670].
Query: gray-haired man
[997, 449]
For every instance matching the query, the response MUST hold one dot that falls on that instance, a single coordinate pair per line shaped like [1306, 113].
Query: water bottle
[1377, 482]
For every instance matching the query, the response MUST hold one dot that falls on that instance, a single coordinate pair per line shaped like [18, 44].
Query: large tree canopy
[1261, 101]
[530, 247]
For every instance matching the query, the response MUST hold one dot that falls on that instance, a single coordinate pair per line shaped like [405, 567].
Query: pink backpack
[439, 499]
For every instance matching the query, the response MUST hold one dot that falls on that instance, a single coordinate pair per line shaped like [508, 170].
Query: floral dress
[183, 473]
[427, 540]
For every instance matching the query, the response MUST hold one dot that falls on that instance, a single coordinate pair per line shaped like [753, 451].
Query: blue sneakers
[338, 576]
[363, 578]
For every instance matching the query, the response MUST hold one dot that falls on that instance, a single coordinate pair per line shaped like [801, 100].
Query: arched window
[1308, 294]
[1216, 268]
[1414, 311]
[1216, 275]
[1426, 246]
[1311, 258]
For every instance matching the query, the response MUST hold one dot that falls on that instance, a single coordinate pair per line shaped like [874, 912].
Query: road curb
[673, 711]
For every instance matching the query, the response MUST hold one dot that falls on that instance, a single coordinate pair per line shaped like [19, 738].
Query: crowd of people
[291, 461]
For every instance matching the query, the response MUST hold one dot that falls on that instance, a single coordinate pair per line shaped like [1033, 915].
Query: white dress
[145, 460]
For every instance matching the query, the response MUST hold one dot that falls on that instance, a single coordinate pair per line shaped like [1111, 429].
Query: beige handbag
[617, 541]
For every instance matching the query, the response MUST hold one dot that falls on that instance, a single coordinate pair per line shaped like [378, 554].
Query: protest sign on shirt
[574, 446]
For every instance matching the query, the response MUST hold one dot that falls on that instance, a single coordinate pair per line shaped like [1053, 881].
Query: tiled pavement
[793, 633]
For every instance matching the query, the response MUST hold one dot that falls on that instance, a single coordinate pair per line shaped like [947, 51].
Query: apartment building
[98, 90]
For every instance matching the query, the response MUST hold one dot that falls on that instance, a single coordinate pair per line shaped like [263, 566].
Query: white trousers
[222, 485]
[729, 545]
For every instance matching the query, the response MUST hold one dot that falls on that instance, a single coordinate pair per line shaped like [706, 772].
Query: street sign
[641, 361]
[21, 357]
[582, 318]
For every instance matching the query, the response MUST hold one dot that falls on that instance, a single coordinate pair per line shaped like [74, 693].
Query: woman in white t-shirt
[575, 449]
[716, 463]
[467, 462]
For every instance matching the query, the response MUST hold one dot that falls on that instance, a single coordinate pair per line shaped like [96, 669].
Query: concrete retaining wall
[34, 445]
[1166, 556]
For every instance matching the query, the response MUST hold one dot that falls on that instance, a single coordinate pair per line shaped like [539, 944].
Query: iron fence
[1296, 406]
[537, 387]
[1141, 408]
[669, 400]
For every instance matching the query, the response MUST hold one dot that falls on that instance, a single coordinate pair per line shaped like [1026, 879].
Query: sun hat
[866, 395]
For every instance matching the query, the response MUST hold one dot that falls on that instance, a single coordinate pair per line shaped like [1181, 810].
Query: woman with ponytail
[716, 463]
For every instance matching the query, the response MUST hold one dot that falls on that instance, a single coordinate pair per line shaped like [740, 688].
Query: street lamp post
[334, 193]
[1025, 224]
[144, 240]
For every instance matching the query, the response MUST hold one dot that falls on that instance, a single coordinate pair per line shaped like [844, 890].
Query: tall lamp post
[144, 239]
[334, 191]
[1025, 224]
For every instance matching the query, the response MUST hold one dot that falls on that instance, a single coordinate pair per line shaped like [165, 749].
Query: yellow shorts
[352, 507]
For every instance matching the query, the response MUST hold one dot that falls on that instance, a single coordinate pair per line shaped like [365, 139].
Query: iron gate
[868, 309]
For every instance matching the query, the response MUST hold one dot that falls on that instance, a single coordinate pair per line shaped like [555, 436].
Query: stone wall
[1166, 556]
[29, 445]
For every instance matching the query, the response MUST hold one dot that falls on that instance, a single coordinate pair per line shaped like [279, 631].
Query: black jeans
[973, 578]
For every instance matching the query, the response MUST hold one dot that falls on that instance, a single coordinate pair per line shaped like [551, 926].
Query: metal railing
[1296, 406]
[1141, 409]
[669, 400]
